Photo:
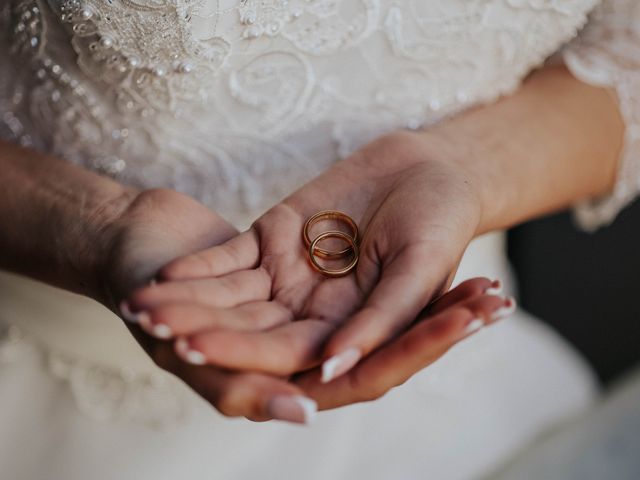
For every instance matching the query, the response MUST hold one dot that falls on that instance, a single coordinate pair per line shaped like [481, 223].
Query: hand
[160, 225]
[448, 320]
[418, 211]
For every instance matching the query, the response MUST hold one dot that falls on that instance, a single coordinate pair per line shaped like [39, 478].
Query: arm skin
[55, 219]
[555, 142]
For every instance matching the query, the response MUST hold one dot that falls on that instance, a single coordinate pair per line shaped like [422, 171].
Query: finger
[419, 347]
[405, 287]
[177, 319]
[242, 252]
[252, 395]
[467, 289]
[281, 351]
[221, 292]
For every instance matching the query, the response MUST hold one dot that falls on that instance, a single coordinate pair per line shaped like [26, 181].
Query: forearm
[53, 217]
[553, 143]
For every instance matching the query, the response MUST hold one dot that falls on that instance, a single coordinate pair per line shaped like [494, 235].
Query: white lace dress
[237, 102]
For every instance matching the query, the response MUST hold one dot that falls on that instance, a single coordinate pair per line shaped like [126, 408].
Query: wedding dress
[238, 102]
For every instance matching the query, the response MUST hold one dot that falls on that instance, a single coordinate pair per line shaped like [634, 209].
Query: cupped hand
[417, 212]
[158, 226]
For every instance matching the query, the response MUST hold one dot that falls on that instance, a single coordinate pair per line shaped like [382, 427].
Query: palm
[396, 238]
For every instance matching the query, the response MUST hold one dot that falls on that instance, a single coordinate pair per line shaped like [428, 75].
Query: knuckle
[375, 393]
[227, 402]
[231, 251]
[364, 389]
[231, 283]
[443, 329]
[409, 345]
[205, 261]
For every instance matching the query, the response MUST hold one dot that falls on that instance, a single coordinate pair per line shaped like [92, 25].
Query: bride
[161, 157]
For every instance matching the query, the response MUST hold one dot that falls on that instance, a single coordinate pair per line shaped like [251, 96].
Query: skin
[419, 198]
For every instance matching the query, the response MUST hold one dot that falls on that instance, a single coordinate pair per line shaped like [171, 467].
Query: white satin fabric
[237, 103]
[81, 400]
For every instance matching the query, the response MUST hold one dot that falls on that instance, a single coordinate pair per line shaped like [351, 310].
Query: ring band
[330, 215]
[338, 272]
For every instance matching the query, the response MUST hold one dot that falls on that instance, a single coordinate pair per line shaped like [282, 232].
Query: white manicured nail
[188, 354]
[162, 331]
[473, 326]
[126, 312]
[504, 312]
[158, 330]
[340, 364]
[495, 288]
[295, 408]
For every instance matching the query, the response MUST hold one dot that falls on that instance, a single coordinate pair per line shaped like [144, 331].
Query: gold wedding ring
[334, 272]
[330, 215]
[315, 251]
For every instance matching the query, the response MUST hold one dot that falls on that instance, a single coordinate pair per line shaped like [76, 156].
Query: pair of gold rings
[315, 251]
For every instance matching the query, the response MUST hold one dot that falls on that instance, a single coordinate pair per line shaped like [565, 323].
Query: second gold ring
[334, 272]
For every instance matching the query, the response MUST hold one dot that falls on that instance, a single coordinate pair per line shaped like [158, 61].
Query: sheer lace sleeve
[607, 53]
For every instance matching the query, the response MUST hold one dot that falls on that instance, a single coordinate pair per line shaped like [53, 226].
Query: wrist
[553, 143]
[91, 242]
[60, 216]
[465, 152]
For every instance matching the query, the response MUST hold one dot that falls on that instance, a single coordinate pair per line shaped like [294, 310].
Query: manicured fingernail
[473, 326]
[507, 310]
[495, 288]
[158, 330]
[126, 313]
[188, 353]
[340, 364]
[295, 408]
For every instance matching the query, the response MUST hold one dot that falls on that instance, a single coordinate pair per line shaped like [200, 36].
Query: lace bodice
[236, 102]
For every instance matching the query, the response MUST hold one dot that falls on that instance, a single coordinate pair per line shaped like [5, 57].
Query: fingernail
[126, 313]
[189, 354]
[295, 408]
[495, 288]
[473, 326]
[340, 363]
[158, 330]
[503, 312]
